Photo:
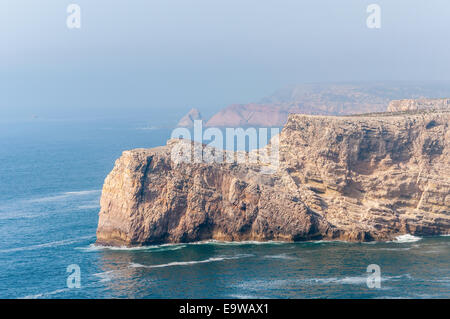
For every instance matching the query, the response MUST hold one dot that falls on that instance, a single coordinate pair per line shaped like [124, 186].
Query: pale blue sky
[173, 54]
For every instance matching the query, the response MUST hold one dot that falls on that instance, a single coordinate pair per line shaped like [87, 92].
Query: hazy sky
[172, 54]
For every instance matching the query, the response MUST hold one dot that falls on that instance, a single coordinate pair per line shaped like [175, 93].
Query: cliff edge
[355, 178]
[418, 104]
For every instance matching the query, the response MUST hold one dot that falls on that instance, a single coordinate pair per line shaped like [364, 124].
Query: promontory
[355, 178]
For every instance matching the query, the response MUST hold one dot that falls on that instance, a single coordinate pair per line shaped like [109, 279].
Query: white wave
[95, 247]
[239, 296]
[391, 297]
[29, 208]
[154, 248]
[393, 249]
[45, 294]
[186, 263]
[394, 278]
[47, 245]
[357, 280]
[82, 193]
[19, 215]
[89, 206]
[257, 285]
[442, 279]
[352, 280]
[239, 243]
[445, 235]
[90, 248]
[435, 251]
[105, 276]
[62, 196]
[166, 248]
[182, 245]
[281, 256]
[328, 242]
[407, 238]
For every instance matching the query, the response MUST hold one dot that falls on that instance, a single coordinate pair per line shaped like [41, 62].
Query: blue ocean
[51, 175]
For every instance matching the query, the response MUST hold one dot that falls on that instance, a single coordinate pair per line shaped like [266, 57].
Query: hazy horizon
[172, 55]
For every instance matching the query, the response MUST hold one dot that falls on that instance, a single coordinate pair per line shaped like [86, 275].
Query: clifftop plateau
[420, 104]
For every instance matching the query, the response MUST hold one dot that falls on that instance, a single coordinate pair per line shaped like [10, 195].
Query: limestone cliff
[419, 104]
[356, 178]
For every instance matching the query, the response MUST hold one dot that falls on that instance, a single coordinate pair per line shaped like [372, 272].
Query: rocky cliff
[419, 104]
[355, 178]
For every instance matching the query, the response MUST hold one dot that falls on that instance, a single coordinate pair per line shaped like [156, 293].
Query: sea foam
[187, 263]
[48, 245]
[154, 248]
[407, 238]
[63, 196]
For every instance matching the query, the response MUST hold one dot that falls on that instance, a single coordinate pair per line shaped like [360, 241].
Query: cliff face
[354, 178]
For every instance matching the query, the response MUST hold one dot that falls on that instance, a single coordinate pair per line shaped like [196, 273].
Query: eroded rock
[356, 178]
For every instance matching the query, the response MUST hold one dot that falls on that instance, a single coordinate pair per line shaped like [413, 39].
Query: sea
[51, 175]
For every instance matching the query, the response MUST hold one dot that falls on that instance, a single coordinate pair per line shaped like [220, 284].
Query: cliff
[420, 104]
[355, 178]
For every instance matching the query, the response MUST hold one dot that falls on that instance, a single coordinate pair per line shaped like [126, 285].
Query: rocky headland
[418, 104]
[354, 178]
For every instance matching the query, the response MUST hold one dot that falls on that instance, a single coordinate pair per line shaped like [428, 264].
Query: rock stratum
[353, 178]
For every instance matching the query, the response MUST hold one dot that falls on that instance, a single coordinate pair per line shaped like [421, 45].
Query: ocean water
[51, 174]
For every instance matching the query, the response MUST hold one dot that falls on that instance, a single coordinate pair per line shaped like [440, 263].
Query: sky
[170, 55]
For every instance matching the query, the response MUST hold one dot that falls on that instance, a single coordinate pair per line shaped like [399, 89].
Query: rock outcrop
[354, 178]
[244, 115]
[420, 104]
[189, 118]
